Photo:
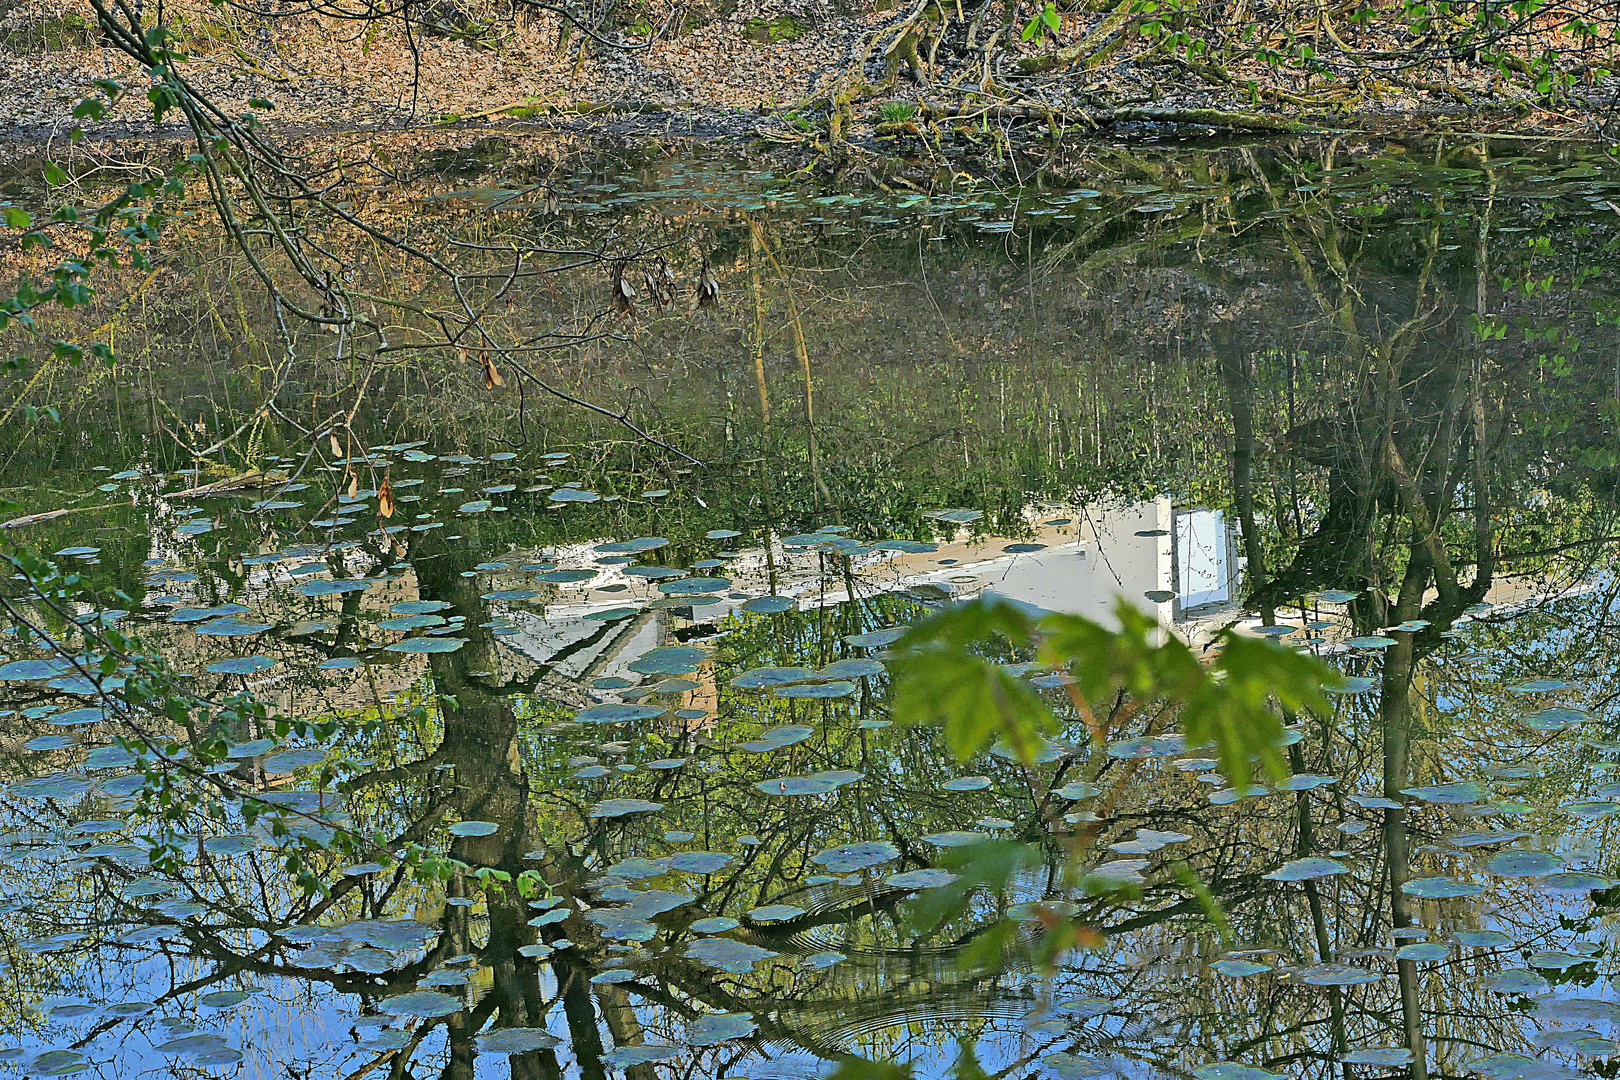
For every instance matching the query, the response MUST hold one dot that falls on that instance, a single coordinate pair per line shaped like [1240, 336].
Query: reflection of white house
[1174, 564]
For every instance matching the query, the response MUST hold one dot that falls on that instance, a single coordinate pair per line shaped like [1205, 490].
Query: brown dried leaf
[385, 498]
[492, 375]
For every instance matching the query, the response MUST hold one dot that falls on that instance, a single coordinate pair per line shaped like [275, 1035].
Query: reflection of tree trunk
[762, 244]
[754, 244]
[582, 1030]
[621, 1020]
[1313, 896]
[1396, 714]
[1237, 378]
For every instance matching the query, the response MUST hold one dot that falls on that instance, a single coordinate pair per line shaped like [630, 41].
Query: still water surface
[1358, 398]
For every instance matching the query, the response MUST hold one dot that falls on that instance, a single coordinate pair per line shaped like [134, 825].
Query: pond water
[482, 737]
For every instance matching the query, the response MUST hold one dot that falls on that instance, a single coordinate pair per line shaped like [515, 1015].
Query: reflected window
[1203, 558]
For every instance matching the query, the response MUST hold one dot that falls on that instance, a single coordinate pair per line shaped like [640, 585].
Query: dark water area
[379, 712]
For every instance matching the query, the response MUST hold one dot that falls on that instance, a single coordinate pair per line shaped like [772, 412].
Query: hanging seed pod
[624, 293]
[708, 289]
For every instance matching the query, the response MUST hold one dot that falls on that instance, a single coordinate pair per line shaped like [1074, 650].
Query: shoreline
[840, 78]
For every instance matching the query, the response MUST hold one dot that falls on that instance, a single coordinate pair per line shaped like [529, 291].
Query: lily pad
[727, 954]
[427, 645]
[421, 1003]
[671, 660]
[473, 828]
[1523, 864]
[690, 586]
[857, 856]
[719, 1027]
[612, 808]
[1307, 869]
[1439, 888]
[515, 1040]
[815, 690]
[243, 665]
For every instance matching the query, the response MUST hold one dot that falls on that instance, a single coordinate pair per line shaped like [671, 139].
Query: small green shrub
[767, 31]
[54, 34]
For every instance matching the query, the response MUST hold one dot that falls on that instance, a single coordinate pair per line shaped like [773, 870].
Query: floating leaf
[566, 577]
[854, 668]
[1390, 1056]
[627, 1056]
[618, 714]
[719, 1027]
[516, 1040]
[777, 737]
[876, 638]
[473, 828]
[1422, 952]
[232, 628]
[815, 690]
[688, 586]
[243, 665]
[1449, 794]
[1232, 1070]
[727, 954]
[631, 547]
[1514, 981]
[816, 784]
[422, 1003]
[1439, 888]
[671, 660]
[760, 678]
[1541, 686]
[931, 878]
[1307, 869]
[612, 808]
[427, 645]
[1523, 864]
[858, 856]
[1336, 975]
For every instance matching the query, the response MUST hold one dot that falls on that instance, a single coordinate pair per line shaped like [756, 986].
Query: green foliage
[897, 112]
[52, 33]
[944, 677]
[1038, 27]
[769, 31]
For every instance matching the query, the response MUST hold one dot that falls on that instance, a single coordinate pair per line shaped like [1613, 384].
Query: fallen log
[51, 515]
[241, 482]
[1221, 119]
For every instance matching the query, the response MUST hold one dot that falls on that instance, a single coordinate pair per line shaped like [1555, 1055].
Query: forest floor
[825, 76]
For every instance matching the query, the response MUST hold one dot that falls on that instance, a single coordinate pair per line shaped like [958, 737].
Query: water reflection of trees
[1388, 451]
